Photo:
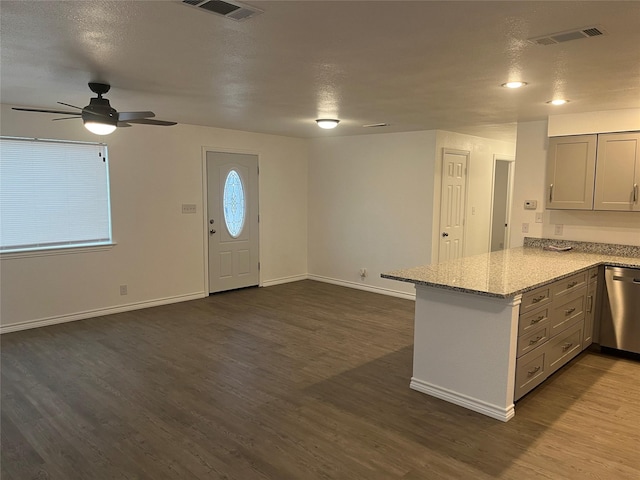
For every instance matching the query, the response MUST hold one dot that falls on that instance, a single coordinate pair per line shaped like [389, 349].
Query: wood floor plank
[298, 381]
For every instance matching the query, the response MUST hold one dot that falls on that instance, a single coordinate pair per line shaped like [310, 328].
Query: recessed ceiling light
[558, 101]
[514, 84]
[327, 123]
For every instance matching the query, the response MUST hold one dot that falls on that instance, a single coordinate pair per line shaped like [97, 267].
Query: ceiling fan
[99, 117]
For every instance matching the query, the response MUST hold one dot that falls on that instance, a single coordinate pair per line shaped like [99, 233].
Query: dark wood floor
[299, 381]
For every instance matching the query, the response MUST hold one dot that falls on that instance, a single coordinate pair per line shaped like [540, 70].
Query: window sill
[45, 252]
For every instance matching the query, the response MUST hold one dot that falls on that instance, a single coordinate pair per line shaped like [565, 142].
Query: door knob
[212, 231]
[445, 234]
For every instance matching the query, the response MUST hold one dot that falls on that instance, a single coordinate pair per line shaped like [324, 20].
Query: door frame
[511, 160]
[436, 238]
[205, 209]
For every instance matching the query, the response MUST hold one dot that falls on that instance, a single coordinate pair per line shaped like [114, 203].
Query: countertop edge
[515, 292]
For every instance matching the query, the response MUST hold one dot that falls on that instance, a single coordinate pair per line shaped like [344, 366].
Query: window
[233, 201]
[53, 194]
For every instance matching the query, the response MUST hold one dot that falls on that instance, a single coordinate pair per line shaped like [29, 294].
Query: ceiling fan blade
[69, 105]
[148, 121]
[126, 116]
[41, 110]
[65, 118]
[123, 124]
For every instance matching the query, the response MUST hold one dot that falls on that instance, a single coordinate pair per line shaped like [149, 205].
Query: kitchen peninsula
[470, 312]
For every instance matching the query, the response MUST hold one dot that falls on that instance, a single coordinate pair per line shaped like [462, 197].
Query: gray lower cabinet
[553, 328]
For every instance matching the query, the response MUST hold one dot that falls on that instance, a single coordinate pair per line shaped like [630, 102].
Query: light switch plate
[525, 228]
[559, 228]
[539, 217]
[530, 204]
[188, 208]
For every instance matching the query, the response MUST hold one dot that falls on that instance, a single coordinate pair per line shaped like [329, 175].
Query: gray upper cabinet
[618, 172]
[594, 172]
[571, 165]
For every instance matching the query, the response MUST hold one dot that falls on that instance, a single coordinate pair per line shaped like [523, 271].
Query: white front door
[452, 204]
[232, 208]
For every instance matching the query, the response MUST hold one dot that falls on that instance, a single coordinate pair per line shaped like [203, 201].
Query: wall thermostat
[530, 204]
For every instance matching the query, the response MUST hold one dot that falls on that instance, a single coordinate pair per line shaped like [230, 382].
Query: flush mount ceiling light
[558, 101]
[327, 123]
[514, 84]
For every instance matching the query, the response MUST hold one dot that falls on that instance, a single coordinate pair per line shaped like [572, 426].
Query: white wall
[160, 251]
[480, 181]
[374, 203]
[370, 206]
[588, 226]
[594, 122]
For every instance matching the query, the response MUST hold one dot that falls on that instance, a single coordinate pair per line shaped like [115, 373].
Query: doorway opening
[502, 194]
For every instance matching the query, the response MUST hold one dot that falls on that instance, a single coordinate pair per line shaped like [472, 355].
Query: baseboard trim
[359, 286]
[280, 281]
[44, 322]
[493, 411]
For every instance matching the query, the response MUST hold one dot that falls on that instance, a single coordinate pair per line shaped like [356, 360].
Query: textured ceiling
[417, 65]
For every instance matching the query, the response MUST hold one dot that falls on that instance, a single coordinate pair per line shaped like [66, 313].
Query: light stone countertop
[506, 273]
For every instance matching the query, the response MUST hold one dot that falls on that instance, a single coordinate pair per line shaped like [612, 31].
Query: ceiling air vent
[234, 10]
[561, 37]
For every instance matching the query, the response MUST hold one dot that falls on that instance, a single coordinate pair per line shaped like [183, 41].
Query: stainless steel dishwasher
[620, 320]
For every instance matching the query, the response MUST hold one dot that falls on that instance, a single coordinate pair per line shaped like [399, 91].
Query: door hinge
[258, 266]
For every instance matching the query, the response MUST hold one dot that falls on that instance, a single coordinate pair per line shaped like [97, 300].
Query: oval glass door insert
[233, 202]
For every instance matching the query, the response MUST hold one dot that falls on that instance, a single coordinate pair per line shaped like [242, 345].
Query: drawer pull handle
[538, 299]
[566, 347]
[533, 342]
[590, 308]
[533, 371]
[569, 312]
[572, 284]
[536, 320]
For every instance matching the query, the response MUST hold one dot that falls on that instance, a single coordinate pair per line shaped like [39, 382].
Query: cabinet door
[618, 172]
[571, 165]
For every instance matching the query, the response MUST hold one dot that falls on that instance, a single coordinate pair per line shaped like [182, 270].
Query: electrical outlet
[559, 228]
[525, 228]
[539, 217]
[188, 208]
[123, 290]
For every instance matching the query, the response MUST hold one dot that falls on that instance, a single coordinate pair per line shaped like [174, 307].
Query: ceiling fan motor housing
[99, 110]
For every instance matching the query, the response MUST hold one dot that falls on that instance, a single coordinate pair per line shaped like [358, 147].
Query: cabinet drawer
[563, 287]
[532, 340]
[534, 319]
[567, 311]
[565, 347]
[531, 370]
[592, 275]
[535, 298]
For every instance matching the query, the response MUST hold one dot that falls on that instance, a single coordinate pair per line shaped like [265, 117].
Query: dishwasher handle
[627, 279]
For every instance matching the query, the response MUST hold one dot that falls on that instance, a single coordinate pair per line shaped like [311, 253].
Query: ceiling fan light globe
[99, 128]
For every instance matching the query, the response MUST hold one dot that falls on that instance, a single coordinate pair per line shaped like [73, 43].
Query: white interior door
[232, 208]
[453, 204]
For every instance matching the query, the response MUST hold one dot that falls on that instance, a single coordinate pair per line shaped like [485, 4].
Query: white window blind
[53, 194]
